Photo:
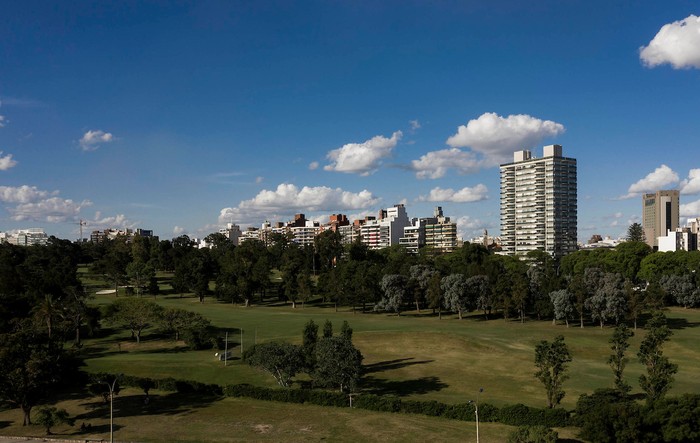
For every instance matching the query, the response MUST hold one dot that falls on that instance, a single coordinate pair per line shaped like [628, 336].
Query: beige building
[660, 214]
[539, 203]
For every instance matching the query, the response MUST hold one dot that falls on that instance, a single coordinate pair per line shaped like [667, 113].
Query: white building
[27, 237]
[387, 230]
[539, 203]
[232, 232]
[682, 239]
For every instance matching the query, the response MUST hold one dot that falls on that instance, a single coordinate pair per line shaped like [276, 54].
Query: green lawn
[414, 356]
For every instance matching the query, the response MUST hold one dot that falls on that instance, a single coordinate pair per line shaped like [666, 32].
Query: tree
[660, 371]
[420, 276]
[436, 298]
[308, 345]
[134, 313]
[327, 329]
[619, 342]
[520, 292]
[456, 296]
[681, 288]
[346, 330]
[338, 363]
[563, 303]
[139, 273]
[635, 233]
[190, 326]
[551, 361]
[49, 417]
[578, 289]
[394, 289]
[479, 289]
[282, 360]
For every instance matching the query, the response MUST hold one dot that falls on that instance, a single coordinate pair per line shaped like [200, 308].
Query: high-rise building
[539, 203]
[660, 213]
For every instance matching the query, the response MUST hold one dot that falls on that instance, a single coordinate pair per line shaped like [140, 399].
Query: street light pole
[476, 412]
[111, 406]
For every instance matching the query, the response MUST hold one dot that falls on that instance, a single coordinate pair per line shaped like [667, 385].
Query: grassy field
[180, 418]
[414, 356]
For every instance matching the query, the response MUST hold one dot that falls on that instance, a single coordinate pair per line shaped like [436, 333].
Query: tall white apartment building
[387, 230]
[539, 203]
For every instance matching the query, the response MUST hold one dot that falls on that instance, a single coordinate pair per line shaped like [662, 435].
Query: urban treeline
[44, 307]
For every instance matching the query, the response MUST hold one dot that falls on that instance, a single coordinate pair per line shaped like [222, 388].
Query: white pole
[241, 343]
[226, 350]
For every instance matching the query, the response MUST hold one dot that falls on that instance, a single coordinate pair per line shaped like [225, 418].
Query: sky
[183, 116]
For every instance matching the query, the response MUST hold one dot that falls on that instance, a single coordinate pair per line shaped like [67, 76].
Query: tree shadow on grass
[681, 323]
[4, 424]
[393, 364]
[134, 405]
[421, 385]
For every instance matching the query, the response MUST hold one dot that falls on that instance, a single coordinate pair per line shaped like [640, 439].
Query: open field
[174, 417]
[413, 356]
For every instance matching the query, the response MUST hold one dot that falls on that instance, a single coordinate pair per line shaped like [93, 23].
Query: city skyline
[181, 118]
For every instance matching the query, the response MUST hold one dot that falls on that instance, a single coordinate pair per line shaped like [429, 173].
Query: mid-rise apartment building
[539, 203]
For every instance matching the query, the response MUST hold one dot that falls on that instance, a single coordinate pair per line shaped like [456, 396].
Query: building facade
[660, 214]
[539, 204]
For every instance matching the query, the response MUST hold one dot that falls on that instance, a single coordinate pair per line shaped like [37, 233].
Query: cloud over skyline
[659, 179]
[496, 137]
[677, 44]
[464, 195]
[435, 164]
[362, 158]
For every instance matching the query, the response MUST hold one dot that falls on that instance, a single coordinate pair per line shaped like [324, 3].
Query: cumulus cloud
[496, 137]
[51, 210]
[436, 164]
[118, 221]
[22, 194]
[35, 204]
[464, 195]
[288, 199]
[93, 139]
[3, 121]
[6, 162]
[661, 178]
[691, 210]
[313, 166]
[677, 44]
[468, 227]
[178, 230]
[691, 185]
[362, 158]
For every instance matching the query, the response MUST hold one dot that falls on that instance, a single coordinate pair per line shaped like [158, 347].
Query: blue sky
[182, 116]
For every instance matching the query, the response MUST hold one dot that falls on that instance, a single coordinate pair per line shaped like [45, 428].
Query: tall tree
[456, 295]
[551, 361]
[635, 232]
[619, 342]
[563, 303]
[419, 281]
[281, 360]
[338, 363]
[660, 371]
[134, 313]
[394, 293]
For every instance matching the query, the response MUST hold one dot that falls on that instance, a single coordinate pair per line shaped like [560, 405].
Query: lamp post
[476, 412]
[111, 405]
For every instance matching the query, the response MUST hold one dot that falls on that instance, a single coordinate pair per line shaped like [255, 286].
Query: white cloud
[92, 139]
[177, 230]
[22, 194]
[677, 44]
[6, 162]
[691, 209]
[362, 158]
[496, 137]
[691, 185]
[464, 195]
[118, 221]
[415, 124]
[288, 199]
[435, 164]
[313, 166]
[661, 178]
[51, 210]
[3, 121]
[468, 227]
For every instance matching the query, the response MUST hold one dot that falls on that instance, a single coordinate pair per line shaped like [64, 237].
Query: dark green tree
[327, 329]
[660, 371]
[48, 417]
[394, 293]
[134, 313]
[281, 360]
[635, 233]
[338, 364]
[308, 345]
[551, 361]
[346, 330]
[619, 342]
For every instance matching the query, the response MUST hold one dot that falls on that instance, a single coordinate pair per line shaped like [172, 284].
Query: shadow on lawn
[681, 323]
[134, 405]
[421, 385]
[4, 424]
[393, 364]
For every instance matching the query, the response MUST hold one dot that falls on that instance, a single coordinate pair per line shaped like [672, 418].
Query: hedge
[515, 415]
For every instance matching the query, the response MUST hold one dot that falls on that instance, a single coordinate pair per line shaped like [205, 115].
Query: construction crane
[81, 223]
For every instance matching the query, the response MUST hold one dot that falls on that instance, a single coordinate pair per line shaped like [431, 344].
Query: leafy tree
[521, 292]
[190, 326]
[420, 276]
[681, 288]
[346, 330]
[660, 371]
[436, 298]
[282, 360]
[619, 342]
[394, 293]
[308, 346]
[551, 361]
[635, 233]
[327, 329]
[139, 273]
[338, 363]
[134, 313]
[636, 301]
[329, 248]
[533, 434]
[578, 289]
[49, 417]
[608, 300]
[563, 303]
[479, 289]
[456, 295]
[609, 416]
